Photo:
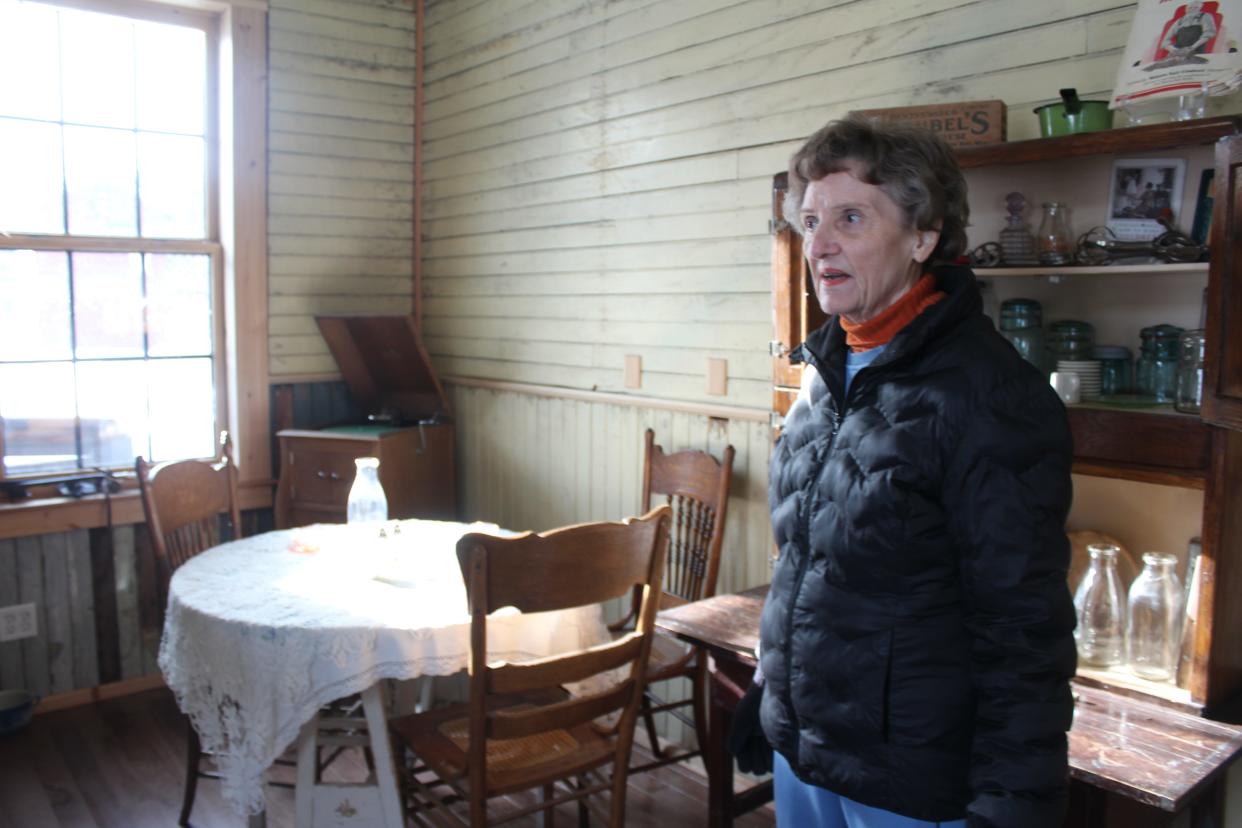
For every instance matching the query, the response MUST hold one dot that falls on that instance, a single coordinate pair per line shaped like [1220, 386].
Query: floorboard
[120, 764]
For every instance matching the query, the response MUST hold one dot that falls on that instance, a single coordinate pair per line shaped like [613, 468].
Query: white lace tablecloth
[262, 632]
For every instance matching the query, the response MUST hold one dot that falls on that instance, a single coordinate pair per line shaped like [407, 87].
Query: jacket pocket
[931, 699]
[841, 686]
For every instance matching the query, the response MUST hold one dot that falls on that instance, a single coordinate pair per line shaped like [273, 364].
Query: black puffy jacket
[917, 639]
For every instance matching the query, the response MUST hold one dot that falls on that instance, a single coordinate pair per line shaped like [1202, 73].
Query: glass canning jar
[1155, 373]
[1021, 323]
[1116, 369]
[1189, 392]
[1070, 339]
[1055, 243]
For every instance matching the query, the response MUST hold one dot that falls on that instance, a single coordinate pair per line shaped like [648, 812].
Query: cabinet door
[1222, 376]
[795, 312]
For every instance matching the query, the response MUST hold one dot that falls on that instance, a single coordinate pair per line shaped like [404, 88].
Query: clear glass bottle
[1101, 625]
[1155, 373]
[1017, 243]
[1054, 243]
[1153, 612]
[367, 502]
[1021, 323]
[1189, 393]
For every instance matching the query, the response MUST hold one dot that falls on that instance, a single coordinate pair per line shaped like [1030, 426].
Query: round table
[262, 632]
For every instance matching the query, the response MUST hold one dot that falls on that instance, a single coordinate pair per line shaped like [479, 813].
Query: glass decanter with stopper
[1153, 613]
[1098, 601]
[367, 502]
[1017, 243]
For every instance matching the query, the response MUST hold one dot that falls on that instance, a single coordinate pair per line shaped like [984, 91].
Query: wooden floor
[119, 764]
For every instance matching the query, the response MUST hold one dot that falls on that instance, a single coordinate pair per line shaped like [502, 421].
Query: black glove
[746, 740]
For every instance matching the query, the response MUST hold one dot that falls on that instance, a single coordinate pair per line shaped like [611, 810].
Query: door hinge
[777, 348]
[776, 420]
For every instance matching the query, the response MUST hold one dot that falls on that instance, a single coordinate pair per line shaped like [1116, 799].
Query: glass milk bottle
[367, 502]
[1100, 609]
[1153, 629]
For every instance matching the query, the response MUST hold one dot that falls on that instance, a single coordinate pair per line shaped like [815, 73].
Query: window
[110, 262]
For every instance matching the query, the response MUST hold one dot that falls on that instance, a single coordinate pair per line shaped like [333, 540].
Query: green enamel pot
[1070, 115]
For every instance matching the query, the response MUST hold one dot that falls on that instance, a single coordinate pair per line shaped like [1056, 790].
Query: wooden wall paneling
[59, 630]
[150, 600]
[12, 669]
[104, 590]
[341, 120]
[128, 614]
[30, 590]
[82, 609]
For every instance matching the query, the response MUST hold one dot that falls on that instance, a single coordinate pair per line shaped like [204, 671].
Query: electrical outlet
[17, 622]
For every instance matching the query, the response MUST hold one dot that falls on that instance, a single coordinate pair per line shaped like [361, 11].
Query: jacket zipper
[838, 414]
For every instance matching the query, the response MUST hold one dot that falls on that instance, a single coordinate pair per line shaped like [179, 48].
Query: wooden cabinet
[389, 374]
[1202, 453]
[317, 469]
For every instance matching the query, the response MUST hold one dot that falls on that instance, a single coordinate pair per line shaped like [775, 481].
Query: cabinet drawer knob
[323, 475]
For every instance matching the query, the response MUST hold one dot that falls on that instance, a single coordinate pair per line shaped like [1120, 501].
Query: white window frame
[237, 212]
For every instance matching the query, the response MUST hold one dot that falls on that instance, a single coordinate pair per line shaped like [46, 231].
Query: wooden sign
[959, 124]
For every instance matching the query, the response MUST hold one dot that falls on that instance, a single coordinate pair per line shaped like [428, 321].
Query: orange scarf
[880, 330]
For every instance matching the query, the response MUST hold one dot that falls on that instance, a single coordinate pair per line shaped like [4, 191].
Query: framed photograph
[1143, 193]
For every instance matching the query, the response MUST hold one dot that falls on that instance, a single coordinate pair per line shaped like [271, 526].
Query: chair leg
[549, 816]
[193, 757]
[649, 721]
[584, 813]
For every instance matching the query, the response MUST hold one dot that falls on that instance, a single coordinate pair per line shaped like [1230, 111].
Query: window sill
[63, 514]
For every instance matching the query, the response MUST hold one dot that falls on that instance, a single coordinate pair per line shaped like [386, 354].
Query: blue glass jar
[1155, 373]
[1116, 369]
[1021, 322]
[1070, 340]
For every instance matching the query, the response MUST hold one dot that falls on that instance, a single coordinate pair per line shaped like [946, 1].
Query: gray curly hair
[913, 166]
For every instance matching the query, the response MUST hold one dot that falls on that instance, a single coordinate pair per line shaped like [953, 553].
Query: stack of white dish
[1088, 371]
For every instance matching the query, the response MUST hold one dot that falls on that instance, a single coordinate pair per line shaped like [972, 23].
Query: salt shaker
[367, 502]
[1100, 609]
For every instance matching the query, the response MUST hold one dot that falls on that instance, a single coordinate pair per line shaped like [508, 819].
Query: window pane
[36, 402]
[30, 50]
[32, 195]
[183, 409]
[178, 305]
[98, 66]
[113, 407]
[102, 185]
[107, 304]
[172, 196]
[34, 316]
[172, 78]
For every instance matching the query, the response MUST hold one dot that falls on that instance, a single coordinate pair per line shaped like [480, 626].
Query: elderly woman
[917, 640]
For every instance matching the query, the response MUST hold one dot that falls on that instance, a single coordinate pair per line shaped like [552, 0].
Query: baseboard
[102, 692]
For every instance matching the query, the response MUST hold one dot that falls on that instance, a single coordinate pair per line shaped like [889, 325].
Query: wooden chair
[184, 501]
[518, 731]
[697, 488]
